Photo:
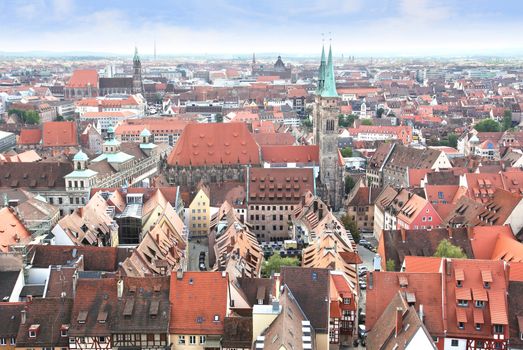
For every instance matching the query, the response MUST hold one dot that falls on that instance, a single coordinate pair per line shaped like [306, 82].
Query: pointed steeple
[136, 58]
[321, 72]
[329, 86]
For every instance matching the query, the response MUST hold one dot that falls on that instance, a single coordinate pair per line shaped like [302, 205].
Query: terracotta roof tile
[290, 154]
[196, 299]
[59, 134]
[83, 78]
[215, 144]
[498, 307]
[30, 137]
[12, 230]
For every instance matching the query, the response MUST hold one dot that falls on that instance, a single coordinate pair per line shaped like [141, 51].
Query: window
[216, 318]
[2, 341]
[101, 339]
[459, 284]
[498, 328]
[454, 342]
[435, 339]
[480, 303]
[346, 301]
[478, 326]
[192, 339]
[32, 334]
[181, 339]
[202, 339]
[463, 303]
[480, 344]
[13, 341]
[486, 285]
[461, 325]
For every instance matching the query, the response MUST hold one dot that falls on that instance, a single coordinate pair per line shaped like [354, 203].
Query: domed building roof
[279, 63]
[80, 156]
[110, 130]
[145, 133]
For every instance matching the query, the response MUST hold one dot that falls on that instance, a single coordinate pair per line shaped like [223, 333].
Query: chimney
[403, 235]
[421, 315]
[23, 316]
[179, 274]
[119, 288]
[399, 320]
[157, 238]
[449, 231]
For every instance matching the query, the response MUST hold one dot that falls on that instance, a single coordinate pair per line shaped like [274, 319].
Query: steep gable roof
[59, 134]
[215, 144]
[83, 78]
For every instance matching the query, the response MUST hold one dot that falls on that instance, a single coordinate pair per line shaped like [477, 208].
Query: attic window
[102, 317]
[216, 318]
[191, 281]
[82, 316]
[153, 310]
[33, 330]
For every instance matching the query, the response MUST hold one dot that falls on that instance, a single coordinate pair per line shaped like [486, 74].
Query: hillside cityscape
[226, 190]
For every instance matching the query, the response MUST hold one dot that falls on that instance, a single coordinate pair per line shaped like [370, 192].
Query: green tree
[59, 118]
[31, 117]
[346, 121]
[391, 265]
[487, 125]
[346, 152]
[446, 249]
[351, 226]
[366, 122]
[507, 120]
[379, 112]
[453, 140]
[349, 184]
[219, 118]
[306, 123]
[275, 263]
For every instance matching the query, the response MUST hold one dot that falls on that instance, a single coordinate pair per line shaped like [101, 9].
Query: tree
[307, 123]
[379, 112]
[487, 125]
[346, 152]
[453, 140]
[346, 121]
[507, 120]
[351, 226]
[366, 122]
[219, 118]
[349, 184]
[391, 265]
[446, 249]
[31, 117]
[275, 263]
[59, 118]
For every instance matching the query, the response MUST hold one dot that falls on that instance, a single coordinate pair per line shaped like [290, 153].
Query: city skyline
[382, 28]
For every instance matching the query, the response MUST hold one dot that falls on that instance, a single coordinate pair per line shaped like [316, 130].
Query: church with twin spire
[325, 128]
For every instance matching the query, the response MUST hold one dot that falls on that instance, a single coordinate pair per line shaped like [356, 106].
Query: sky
[286, 27]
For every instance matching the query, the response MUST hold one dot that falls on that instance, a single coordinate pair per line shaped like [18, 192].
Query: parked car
[361, 331]
[363, 242]
[202, 267]
[363, 285]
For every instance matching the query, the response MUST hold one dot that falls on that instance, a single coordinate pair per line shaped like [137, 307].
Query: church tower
[325, 120]
[137, 73]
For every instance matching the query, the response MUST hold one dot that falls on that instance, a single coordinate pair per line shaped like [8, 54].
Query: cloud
[62, 7]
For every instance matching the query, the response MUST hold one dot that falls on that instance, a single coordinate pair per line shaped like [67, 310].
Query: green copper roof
[119, 157]
[321, 75]
[136, 57]
[87, 173]
[329, 87]
[112, 142]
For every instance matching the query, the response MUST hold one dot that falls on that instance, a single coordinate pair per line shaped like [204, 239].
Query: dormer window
[498, 328]
[33, 330]
[346, 301]
[480, 303]
[463, 303]
[459, 284]
[478, 326]
[461, 325]
[486, 285]
[216, 318]
[64, 330]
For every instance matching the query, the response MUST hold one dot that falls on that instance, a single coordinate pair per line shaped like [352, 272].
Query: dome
[145, 133]
[110, 130]
[80, 156]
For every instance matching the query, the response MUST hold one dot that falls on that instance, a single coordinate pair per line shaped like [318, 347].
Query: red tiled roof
[478, 315]
[461, 315]
[291, 154]
[81, 78]
[498, 307]
[215, 144]
[279, 185]
[516, 272]
[59, 134]
[274, 139]
[422, 264]
[12, 230]
[196, 299]
[30, 137]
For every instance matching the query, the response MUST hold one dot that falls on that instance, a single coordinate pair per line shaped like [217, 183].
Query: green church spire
[136, 57]
[321, 74]
[329, 86]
